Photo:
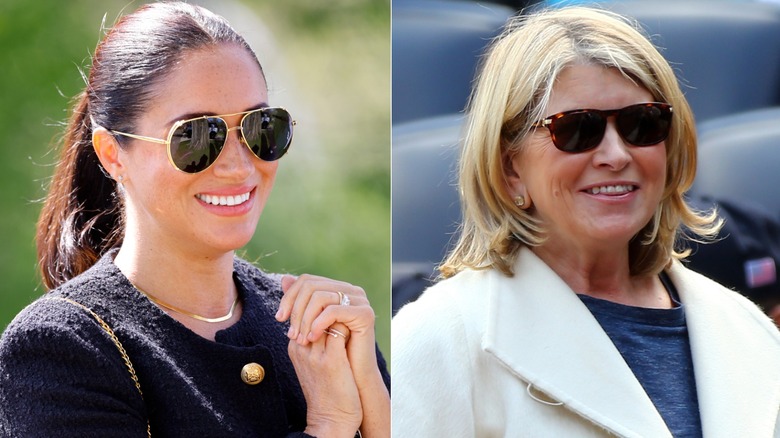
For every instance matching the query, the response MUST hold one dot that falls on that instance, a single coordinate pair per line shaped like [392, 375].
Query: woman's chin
[226, 242]
[615, 232]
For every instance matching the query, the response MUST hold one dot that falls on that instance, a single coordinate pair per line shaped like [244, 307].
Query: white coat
[486, 355]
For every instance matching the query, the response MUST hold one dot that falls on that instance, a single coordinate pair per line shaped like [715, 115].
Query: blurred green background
[327, 62]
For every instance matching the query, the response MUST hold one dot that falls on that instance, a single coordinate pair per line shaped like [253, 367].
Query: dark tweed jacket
[62, 376]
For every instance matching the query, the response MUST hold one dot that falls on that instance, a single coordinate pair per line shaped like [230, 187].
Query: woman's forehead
[223, 79]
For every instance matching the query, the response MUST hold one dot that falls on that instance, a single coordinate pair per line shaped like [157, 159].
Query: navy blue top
[655, 345]
[61, 375]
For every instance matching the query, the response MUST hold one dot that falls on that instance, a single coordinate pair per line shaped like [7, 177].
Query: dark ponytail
[82, 216]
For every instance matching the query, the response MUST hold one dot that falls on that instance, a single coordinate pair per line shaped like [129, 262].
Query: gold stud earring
[519, 201]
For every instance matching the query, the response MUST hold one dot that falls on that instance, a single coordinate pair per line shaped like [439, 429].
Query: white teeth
[223, 200]
[612, 190]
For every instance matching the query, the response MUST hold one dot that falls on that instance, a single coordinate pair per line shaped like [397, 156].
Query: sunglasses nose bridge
[240, 135]
[241, 138]
[611, 125]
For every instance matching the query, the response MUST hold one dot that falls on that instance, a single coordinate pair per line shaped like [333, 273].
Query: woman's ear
[515, 184]
[107, 150]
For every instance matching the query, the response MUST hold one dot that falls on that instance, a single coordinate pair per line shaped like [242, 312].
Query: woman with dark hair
[152, 324]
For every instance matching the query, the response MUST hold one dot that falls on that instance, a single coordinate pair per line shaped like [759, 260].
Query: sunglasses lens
[196, 144]
[268, 132]
[645, 124]
[578, 131]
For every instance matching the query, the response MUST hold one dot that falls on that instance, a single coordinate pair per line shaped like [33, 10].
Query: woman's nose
[613, 151]
[235, 160]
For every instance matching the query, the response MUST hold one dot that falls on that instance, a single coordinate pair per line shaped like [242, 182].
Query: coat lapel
[539, 329]
[737, 391]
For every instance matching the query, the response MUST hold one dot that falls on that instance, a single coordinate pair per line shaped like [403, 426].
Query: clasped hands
[332, 348]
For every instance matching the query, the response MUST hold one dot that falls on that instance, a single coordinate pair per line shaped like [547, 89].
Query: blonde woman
[564, 309]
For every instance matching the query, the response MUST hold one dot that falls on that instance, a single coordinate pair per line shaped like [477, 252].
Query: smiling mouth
[229, 201]
[619, 189]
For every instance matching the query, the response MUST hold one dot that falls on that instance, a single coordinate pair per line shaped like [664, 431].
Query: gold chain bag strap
[125, 357]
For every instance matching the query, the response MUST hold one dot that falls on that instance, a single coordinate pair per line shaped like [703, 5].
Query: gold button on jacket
[252, 373]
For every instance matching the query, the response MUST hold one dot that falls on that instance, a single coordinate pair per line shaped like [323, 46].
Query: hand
[332, 399]
[312, 305]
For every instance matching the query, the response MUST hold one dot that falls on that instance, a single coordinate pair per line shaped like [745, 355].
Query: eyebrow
[197, 114]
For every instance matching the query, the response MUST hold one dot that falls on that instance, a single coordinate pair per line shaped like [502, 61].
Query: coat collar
[565, 354]
[736, 364]
[540, 330]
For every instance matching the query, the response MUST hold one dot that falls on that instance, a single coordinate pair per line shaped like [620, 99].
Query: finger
[361, 344]
[317, 347]
[308, 355]
[317, 303]
[288, 284]
[291, 286]
[337, 333]
[287, 281]
[319, 278]
[297, 353]
[307, 285]
[287, 309]
[358, 320]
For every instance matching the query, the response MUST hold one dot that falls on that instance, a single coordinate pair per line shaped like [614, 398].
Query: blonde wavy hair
[512, 92]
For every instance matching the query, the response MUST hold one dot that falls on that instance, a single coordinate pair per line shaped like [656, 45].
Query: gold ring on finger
[343, 298]
[333, 332]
